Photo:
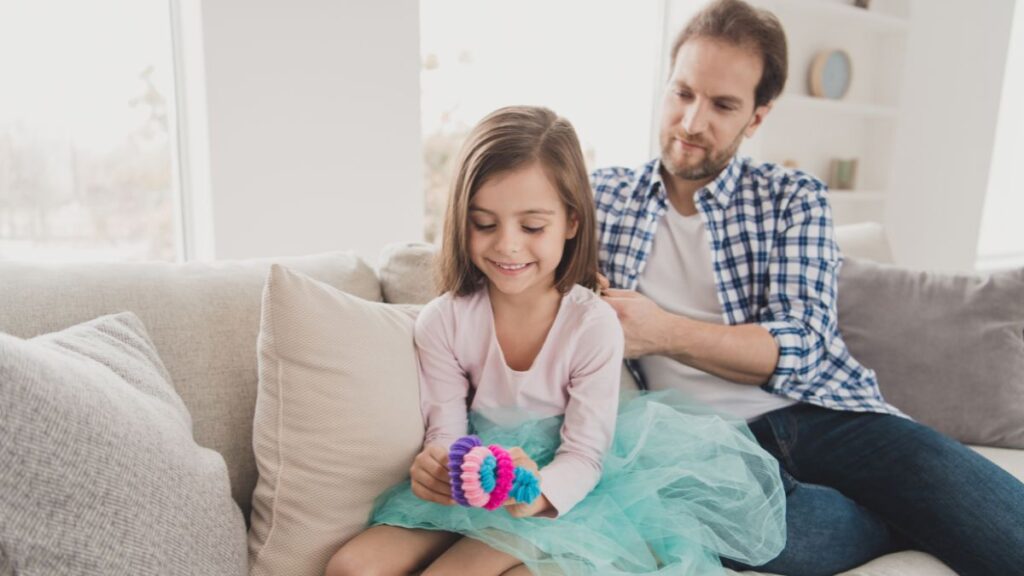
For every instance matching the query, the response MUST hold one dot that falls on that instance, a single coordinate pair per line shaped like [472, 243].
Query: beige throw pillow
[337, 419]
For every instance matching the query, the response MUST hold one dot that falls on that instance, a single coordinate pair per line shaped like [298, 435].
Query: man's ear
[573, 227]
[757, 119]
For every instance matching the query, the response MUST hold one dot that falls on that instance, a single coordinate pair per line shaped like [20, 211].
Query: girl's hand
[519, 458]
[429, 475]
[519, 510]
[538, 506]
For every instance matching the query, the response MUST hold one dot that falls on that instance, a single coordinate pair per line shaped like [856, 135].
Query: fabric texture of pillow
[99, 472]
[948, 349]
[337, 419]
[406, 274]
[203, 318]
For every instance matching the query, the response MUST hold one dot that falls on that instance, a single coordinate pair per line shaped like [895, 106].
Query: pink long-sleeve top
[576, 373]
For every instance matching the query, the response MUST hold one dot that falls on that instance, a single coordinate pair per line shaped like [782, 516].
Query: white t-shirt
[679, 277]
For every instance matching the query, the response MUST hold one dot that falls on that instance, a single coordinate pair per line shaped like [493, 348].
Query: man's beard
[710, 166]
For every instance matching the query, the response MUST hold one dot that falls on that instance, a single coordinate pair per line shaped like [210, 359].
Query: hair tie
[485, 477]
[456, 454]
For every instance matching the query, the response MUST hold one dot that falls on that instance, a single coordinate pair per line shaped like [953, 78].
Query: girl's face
[518, 226]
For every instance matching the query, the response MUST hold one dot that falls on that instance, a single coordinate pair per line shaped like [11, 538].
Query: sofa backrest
[204, 319]
[865, 240]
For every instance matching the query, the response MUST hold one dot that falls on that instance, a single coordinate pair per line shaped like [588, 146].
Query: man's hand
[645, 325]
[429, 475]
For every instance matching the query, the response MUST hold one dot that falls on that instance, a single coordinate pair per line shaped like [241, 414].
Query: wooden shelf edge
[866, 17]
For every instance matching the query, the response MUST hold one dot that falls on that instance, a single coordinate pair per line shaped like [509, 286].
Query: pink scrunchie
[471, 487]
[504, 475]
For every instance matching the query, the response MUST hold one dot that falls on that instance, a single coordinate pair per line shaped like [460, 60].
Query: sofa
[204, 321]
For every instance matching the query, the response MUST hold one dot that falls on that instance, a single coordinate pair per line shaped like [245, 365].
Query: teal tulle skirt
[679, 489]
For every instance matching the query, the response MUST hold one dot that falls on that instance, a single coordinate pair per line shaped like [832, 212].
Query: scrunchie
[484, 477]
[456, 454]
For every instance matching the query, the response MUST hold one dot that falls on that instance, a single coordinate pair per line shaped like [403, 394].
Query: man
[725, 274]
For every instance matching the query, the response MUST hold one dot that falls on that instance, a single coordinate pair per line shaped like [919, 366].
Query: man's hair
[742, 25]
[508, 139]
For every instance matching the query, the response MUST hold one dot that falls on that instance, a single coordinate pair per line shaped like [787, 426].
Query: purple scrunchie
[456, 454]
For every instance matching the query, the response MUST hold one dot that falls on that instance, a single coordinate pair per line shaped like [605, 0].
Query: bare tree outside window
[86, 139]
[593, 61]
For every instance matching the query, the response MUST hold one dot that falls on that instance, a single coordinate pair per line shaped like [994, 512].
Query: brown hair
[740, 24]
[508, 139]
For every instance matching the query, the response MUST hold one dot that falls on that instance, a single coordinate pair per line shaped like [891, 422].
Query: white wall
[953, 82]
[312, 114]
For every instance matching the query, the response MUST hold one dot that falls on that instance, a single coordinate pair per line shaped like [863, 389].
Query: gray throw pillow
[99, 472]
[948, 349]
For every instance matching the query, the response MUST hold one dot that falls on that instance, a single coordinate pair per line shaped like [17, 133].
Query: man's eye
[533, 230]
[683, 95]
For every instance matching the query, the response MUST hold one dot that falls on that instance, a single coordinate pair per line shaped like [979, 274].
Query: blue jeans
[860, 485]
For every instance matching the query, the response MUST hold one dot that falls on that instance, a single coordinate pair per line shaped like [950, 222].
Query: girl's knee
[353, 562]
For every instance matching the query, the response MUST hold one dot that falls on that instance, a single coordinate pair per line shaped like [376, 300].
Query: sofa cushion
[99, 473]
[406, 272]
[337, 419]
[202, 317]
[948, 349]
[864, 240]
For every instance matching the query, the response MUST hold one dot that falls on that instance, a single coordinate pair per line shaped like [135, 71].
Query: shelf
[870, 19]
[800, 102]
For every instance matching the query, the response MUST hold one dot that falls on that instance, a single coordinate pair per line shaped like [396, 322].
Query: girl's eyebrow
[522, 213]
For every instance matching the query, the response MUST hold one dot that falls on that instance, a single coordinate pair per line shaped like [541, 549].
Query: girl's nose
[509, 243]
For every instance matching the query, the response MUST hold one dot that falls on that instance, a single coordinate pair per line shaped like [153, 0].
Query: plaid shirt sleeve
[800, 310]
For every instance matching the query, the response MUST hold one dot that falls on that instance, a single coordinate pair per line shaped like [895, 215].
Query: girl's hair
[508, 139]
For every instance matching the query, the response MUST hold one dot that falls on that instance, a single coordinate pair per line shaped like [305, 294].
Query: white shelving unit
[811, 132]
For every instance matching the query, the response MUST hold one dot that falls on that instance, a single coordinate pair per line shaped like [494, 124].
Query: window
[87, 131]
[595, 62]
[1001, 242]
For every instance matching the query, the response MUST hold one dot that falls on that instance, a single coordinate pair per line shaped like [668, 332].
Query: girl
[520, 351]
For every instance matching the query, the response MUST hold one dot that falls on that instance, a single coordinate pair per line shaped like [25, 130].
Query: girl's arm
[444, 385]
[590, 413]
[443, 390]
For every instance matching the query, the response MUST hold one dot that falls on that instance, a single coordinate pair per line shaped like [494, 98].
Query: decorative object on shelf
[830, 74]
[842, 174]
[865, 4]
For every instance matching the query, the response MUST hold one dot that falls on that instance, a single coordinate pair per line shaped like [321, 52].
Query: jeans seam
[785, 444]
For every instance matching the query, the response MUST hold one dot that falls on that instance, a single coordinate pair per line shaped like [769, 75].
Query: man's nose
[695, 118]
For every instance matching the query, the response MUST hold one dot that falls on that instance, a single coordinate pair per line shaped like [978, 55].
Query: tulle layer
[679, 490]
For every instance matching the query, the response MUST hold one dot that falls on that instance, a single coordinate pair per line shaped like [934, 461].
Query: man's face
[709, 107]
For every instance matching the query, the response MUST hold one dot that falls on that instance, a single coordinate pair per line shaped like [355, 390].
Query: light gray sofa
[204, 320]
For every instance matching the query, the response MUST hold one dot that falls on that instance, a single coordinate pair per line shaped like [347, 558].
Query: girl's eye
[531, 230]
[483, 227]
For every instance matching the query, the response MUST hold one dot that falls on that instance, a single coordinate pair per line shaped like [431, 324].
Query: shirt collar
[721, 189]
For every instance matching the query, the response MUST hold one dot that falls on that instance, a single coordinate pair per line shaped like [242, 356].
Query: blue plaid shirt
[776, 263]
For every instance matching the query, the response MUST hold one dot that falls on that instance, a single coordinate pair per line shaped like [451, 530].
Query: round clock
[830, 74]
